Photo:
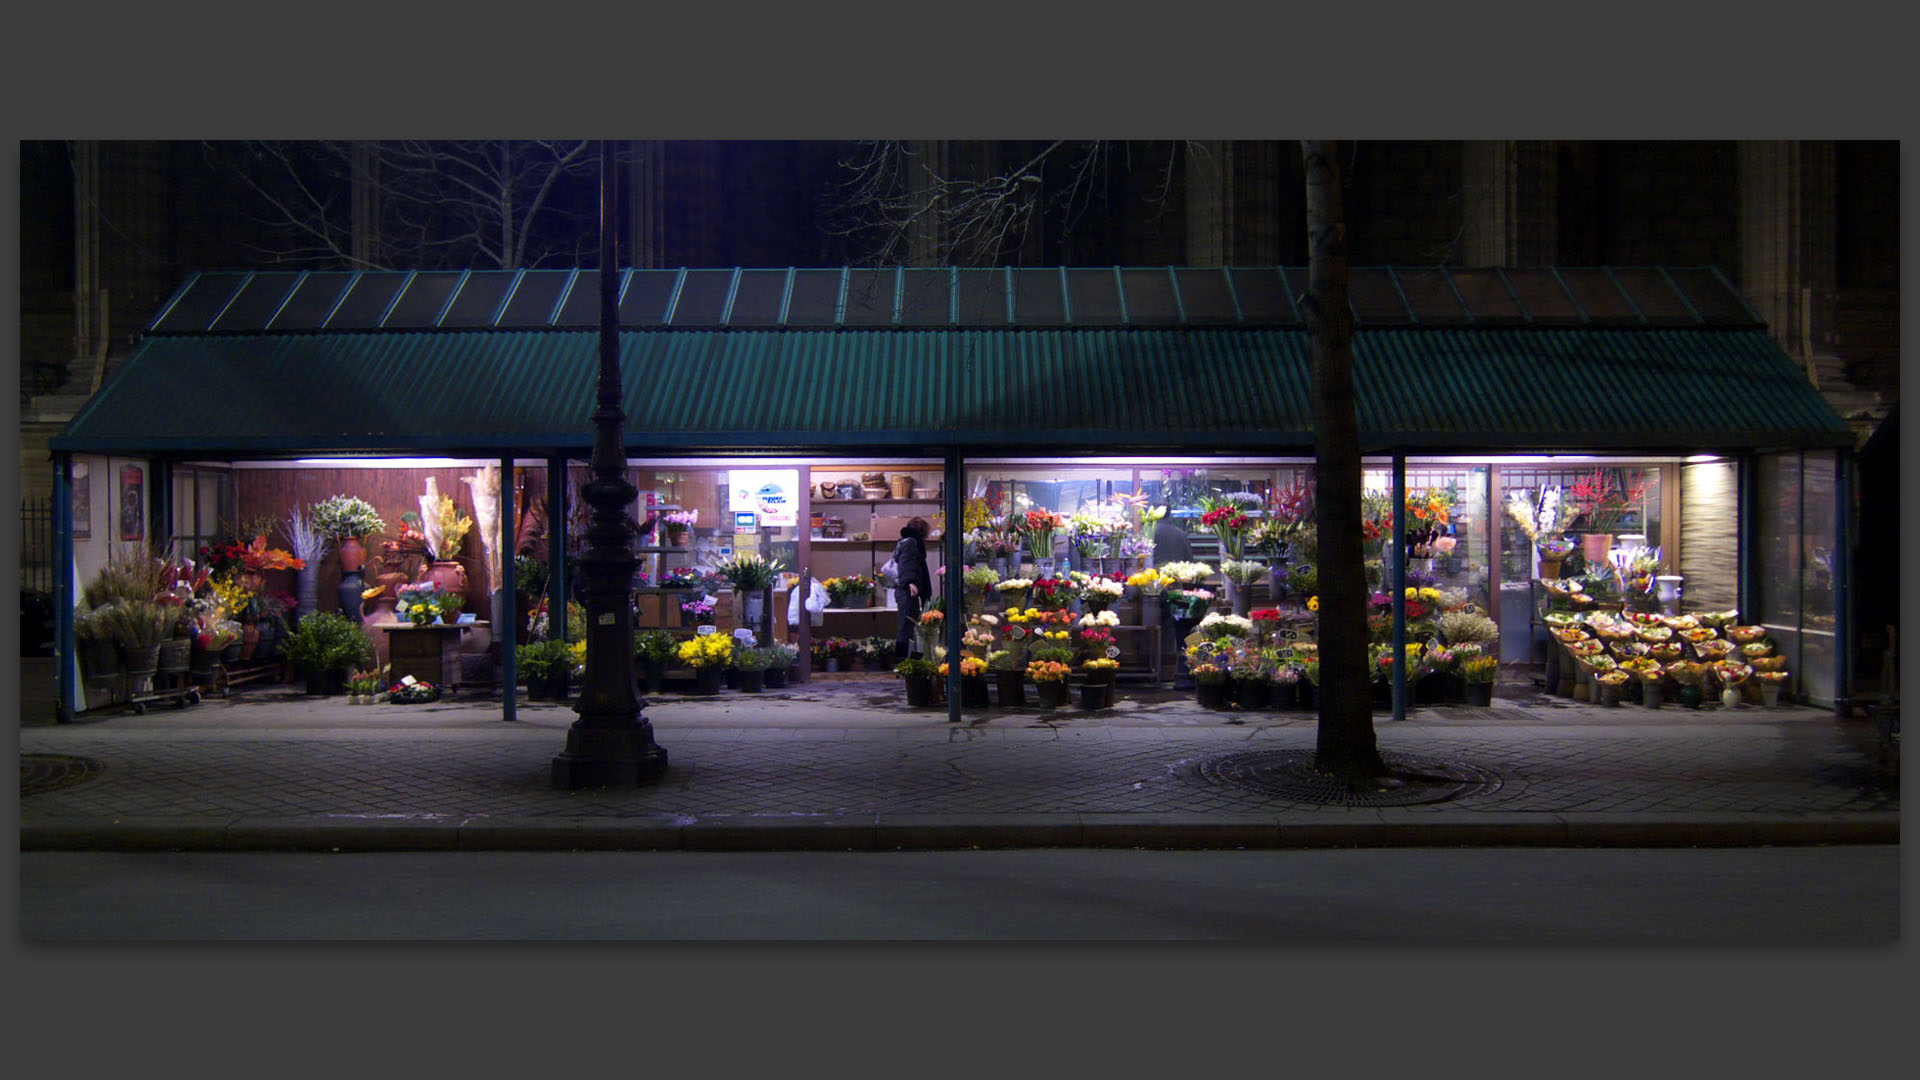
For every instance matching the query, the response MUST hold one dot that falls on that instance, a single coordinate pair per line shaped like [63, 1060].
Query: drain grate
[41, 773]
[1290, 775]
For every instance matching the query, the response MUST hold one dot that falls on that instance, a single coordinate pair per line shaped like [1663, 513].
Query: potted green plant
[786, 655]
[346, 522]
[752, 665]
[653, 648]
[851, 591]
[324, 647]
[544, 667]
[450, 606]
[751, 576]
[918, 675]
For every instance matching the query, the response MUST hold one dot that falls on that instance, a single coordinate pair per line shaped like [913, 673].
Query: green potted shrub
[751, 576]
[544, 667]
[653, 648]
[324, 647]
[786, 655]
[752, 665]
[918, 674]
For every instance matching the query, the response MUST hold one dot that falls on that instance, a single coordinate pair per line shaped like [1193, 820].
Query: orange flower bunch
[1047, 671]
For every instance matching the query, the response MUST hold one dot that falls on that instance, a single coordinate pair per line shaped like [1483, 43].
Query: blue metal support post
[65, 651]
[953, 582]
[504, 629]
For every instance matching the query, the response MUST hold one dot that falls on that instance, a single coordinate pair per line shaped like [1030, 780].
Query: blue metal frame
[505, 631]
[953, 579]
[67, 657]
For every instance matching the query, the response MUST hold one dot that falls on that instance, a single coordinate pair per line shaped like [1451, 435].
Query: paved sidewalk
[845, 767]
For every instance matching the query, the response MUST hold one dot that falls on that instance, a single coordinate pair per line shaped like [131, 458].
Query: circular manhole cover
[1289, 774]
[41, 773]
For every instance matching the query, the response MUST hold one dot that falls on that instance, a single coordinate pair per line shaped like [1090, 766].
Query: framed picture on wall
[80, 501]
[133, 520]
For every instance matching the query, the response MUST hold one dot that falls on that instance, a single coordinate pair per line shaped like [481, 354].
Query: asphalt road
[1766, 895]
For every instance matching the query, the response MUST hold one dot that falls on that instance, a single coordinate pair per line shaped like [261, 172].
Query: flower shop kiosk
[801, 415]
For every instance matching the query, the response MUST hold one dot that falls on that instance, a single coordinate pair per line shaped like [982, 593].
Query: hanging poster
[774, 494]
[133, 523]
[81, 501]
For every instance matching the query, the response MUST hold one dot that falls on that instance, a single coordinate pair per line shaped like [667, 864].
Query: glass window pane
[1817, 674]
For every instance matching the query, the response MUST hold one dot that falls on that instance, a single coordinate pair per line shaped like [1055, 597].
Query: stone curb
[909, 832]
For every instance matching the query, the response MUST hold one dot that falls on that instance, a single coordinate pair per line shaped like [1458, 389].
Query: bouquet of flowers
[1242, 572]
[1604, 500]
[1217, 625]
[1100, 668]
[1089, 534]
[1052, 592]
[1191, 601]
[675, 523]
[1037, 529]
[981, 578]
[418, 594]
[1150, 582]
[1228, 522]
[699, 609]
[1186, 573]
[846, 588]
[1048, 671]
[1099, 618]
[711, 650]
[412, 691]
[1101, 591]
[971, 667]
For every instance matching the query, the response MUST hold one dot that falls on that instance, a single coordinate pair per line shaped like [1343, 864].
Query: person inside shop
[913, 582]
[1171, 544]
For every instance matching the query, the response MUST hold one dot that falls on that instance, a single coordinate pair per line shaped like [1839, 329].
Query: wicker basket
[902, 486]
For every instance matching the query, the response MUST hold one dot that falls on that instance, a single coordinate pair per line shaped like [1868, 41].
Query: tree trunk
[1345, 746]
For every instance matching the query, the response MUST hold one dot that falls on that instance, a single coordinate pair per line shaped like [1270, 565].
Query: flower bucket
[1770, 694]
[1096, 695]
[706, 681]
[753, 681]
[1052, 694]
[1480, 694]
[1284, 696]
[919, 691]
[1012, 687]
[1214, 696]
[1251, 693]
[1650, 694]
[973, 692]
[1550, 569]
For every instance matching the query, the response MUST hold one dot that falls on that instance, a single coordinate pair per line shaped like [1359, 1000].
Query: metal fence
[36, 545]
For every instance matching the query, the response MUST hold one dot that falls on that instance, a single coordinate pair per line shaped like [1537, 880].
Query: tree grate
[1290, 775]
[41, 773]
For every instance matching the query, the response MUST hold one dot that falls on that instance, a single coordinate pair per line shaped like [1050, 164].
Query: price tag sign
[704, 629]
[1113, 652]
[606, 618]
[1017, 632]
[1289, 635]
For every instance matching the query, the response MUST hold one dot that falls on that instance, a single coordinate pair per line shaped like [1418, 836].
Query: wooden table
[424, 652]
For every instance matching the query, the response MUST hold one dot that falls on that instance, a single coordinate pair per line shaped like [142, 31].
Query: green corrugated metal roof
[1055, 390]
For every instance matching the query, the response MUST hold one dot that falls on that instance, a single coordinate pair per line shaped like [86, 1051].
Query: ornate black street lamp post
[612, 742]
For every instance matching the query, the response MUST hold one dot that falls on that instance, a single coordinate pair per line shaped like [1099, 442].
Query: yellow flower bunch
[1101, 663]
[1019, 617]
[1055, 635]
[233, 596]
[1150, 581]
[577, 652]
[975, 514]
[707, 650]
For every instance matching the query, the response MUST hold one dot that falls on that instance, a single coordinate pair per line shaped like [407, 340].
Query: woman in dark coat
[913, 583]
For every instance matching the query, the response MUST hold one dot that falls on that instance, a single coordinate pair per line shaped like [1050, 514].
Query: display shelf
[929, 501]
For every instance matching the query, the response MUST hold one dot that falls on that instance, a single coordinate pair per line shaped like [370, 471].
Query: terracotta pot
[446, 573]
[1595, 545]
[353, 554]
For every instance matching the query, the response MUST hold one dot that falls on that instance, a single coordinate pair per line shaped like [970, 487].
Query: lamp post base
[604, 757]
